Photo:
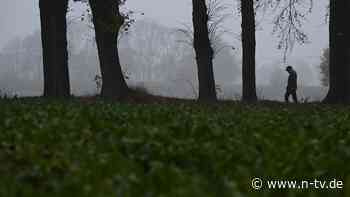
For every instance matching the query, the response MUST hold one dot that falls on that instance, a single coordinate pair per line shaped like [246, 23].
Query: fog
[153, 55]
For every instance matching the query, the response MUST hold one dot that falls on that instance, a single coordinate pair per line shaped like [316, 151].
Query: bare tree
[248, 55]
[108, 21]
[217, 15]
[205, 36]
[204, 51]
[287, 26]
[339, 53]
[108, 24]
[54, 45]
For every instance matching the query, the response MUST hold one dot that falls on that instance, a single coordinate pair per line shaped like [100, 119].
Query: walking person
[292, 85]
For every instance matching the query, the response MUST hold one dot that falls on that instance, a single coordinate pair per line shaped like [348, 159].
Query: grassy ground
[95, 148]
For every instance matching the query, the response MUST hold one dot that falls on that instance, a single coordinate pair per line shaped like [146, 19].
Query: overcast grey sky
[20, 17]
[175, 12]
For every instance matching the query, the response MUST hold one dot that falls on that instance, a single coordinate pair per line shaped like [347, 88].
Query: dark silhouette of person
[292, 85]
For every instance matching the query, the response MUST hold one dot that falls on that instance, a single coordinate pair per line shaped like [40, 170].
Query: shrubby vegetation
[119, 146]
[75, 148]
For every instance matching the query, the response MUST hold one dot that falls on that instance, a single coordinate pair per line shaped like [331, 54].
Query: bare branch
[216, 17]
[288, 23]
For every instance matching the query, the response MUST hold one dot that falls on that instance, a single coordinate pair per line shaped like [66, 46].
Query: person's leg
[286, 97]
[295, 97]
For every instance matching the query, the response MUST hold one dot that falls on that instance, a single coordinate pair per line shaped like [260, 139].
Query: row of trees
[108, 20]
[288, 25]
[150, 56]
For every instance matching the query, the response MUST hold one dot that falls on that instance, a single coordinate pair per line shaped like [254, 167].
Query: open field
[97, 148]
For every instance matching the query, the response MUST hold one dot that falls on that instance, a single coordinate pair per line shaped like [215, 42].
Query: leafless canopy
[288, 22]
[128, 17]
[217, 14]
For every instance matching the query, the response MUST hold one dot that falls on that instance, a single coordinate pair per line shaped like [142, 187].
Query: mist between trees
[155, 58]
[152, 57]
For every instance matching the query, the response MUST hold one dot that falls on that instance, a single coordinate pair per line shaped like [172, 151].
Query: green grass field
[101, 149]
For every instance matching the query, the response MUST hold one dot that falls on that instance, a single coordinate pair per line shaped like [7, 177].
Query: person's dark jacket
[292, 81]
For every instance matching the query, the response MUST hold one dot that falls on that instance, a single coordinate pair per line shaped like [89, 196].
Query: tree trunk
[108, 21]
[204, 52]
[54, 45]
[248, 45]
[347, 51]
[339, 71]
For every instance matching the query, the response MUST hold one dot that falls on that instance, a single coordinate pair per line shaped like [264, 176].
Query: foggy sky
[21, 17]
[17, 18]
[173, 13]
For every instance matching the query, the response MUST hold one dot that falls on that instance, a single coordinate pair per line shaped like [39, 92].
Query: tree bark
[108, 21]
[54, 45]
[204, 51]
[339, 71]
[347, 51]
[248, 56]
